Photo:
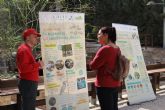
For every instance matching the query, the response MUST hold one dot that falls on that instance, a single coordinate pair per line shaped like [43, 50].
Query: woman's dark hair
[111, 32]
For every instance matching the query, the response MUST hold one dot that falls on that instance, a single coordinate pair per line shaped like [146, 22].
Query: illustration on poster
[134, 36]
[137, 75]
[50, 66]
[69, 63]
[64, 83]
[59, 64]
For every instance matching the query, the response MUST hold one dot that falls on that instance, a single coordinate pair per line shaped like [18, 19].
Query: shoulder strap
[119, 52]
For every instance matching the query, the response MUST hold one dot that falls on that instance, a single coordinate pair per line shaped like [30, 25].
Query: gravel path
[158, 104]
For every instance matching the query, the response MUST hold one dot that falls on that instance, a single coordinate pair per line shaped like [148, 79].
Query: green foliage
[8, 41]
[16, 15]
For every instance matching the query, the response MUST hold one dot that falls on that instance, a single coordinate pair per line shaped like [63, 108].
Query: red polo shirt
[26, 64]
[105, 58]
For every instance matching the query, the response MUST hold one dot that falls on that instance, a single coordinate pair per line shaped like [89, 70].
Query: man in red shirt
[28, 69]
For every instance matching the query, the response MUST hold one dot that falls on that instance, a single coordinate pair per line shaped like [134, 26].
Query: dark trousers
[108, 98]
[28, 91]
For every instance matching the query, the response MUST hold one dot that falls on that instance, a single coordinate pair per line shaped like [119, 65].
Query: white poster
[137, 83]
[63, 52]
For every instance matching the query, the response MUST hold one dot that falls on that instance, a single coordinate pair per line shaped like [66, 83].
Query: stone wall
[153, 55]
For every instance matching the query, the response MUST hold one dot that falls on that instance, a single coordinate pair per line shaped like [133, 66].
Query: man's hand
[41, 63]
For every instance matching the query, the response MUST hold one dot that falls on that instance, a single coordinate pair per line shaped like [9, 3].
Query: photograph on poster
[69, 63]
[59, 64]
[53, 108]
[50, 66]
[52, 101]
[67, 50]
[81, 83]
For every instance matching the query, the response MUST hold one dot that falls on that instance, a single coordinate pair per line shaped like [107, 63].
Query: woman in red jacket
[106, 86]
